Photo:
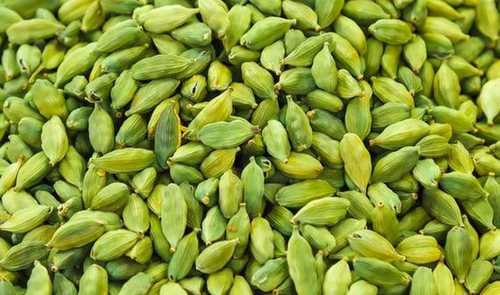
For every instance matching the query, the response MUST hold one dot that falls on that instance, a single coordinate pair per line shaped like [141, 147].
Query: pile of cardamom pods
[236, 147]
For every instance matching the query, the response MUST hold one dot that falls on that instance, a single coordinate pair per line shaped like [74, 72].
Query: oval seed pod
[32, 171]
[125, 160]
[446, 86]
[240, 55]
[218, 109]
[352, 150]
[420, 249]
[384, 221]
[230, 193]
[9, 63]
[389, 90]
[63, 285]
[167, 135]
[358, 118]
[39, 281]
[305, 16]
[275, 138]
[266, 32]
[327, 11]
[379, 272]
[173, 215]
[479, 275]
[442, 206]
[132, 131]
[220, 282]
[324, 211]
[272, 56]
[415, 53]
[215, 14]
[390, 60]
[17, 149]
[160, 243]
[296, 81]
[94, 281]
[351, 31]
[488, 245]
[324, 100]
[238, 227]
[457, 183]
[183, 173]
[391, 31]
[184, 257]
[305, 52]
[218, 162]
[458, 252]
[136, 215]
[270, 275]
[347, 55]
[487, 19]
[26, 219]
[403, 133]
[29, 131]
[112, 197]
[427, 173]
[9, 17]
[361, 207]
[9, 175]
[380, 193]
[76, 62]
[423, 282]
[347, 86]
[481, 211]
[113, 244]
[319, 238]
[362, 242]
[193, 284]
[395, 164]
[292, 39]
[48, 99]
[195, 209]
[22, 255]
[488, 98]
[373, 56]
[389, 113]
[362, 287]
[324, 122]
[135, 166]
[327, 148]
[219, 76]
[443, 279]
[102, 142]
[252, 178]
[193, 34]
[364, 12]
[298, 126]
[299, 166]
[28, 58]
[337, 278]
[213, 226]
[143, 182]
[324, 69]
[215, 256]
[301, 265]
[298, 194]
[223, 135]
[261, 240]
[27, 31]
[240, 21]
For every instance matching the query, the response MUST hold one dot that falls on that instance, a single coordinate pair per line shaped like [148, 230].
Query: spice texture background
[236, 147]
